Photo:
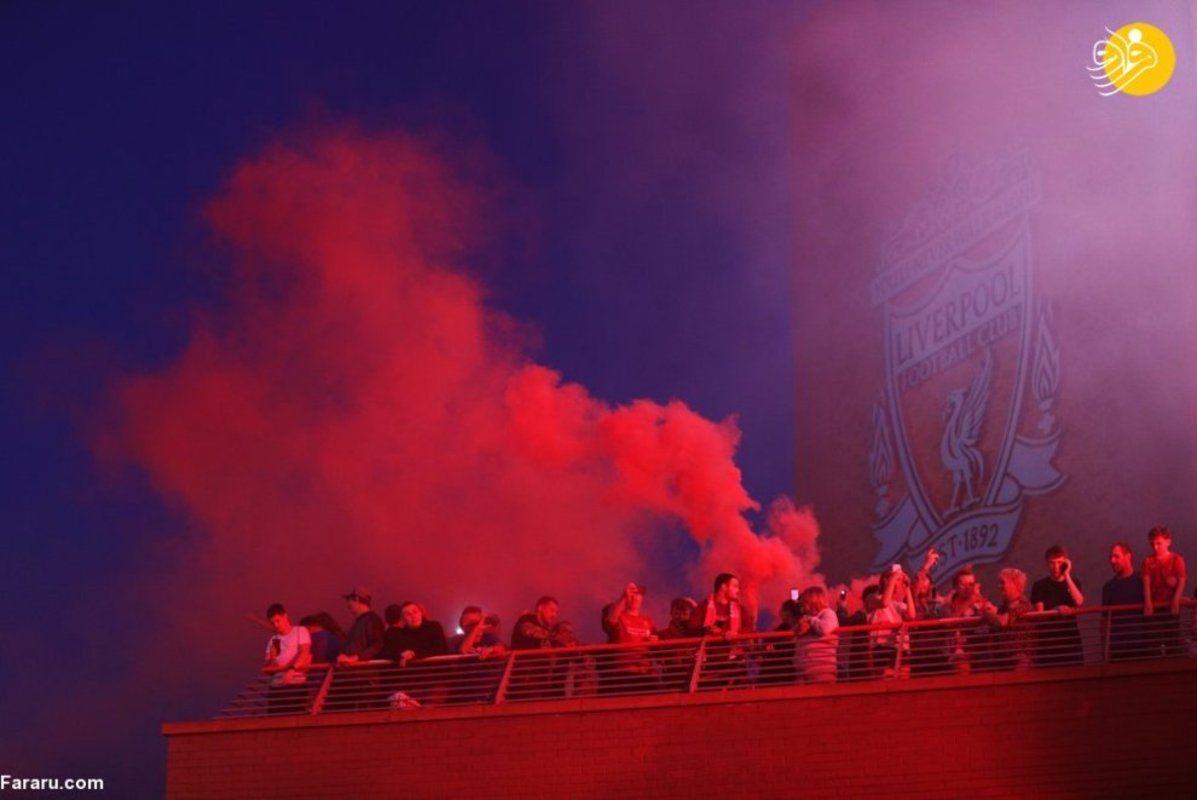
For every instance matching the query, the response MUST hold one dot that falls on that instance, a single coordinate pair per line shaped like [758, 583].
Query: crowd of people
[1005, 634]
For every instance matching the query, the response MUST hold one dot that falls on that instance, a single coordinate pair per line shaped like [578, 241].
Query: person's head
[1161, 540]
[1057, 561]
[277, 615]
[413, 614]
[470, 616]
[634, 594]
[680, 610]
[358, 600]
[871, 596]
[727, 587]
[1012, 583]
[1121, 559]
[547, 609]
[789, 613]
[393, 614]
[323, 621]
[813, 600]
[964, 583]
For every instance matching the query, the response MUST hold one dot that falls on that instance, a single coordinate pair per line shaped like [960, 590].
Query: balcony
[1104, 707]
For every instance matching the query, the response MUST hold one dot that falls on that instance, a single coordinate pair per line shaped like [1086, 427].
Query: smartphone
[843, 594]
[794, 595]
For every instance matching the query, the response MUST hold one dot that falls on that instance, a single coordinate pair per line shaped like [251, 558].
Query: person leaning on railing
[287, 653]
[854, 664]
[476, 682]
[534, 630]
[412, 635]
[364, 640]
[479, 636]
[677, 662]
[680, 610]
[776, 662]
[1163, 586]
[816, 643]
[1012, 639]
[970, 643]
[1058, 641]
[575, 670]
[1124, 628]
[724, 616]
[363, 643]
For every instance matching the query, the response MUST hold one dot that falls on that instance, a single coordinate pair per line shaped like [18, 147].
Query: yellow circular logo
[1136, 59]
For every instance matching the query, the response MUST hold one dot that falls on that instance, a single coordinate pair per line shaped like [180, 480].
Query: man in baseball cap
[364, 640]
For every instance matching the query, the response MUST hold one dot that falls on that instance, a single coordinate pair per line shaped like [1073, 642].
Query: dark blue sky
[646, 145]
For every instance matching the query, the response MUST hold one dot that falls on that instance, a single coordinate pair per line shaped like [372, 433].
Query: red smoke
[359, 414]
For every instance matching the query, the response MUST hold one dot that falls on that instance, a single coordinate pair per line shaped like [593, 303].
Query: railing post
[898, 639]
[696, 673]
[501, 692]
[322, 692]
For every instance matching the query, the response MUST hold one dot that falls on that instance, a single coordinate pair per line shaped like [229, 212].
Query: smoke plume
[358, 413]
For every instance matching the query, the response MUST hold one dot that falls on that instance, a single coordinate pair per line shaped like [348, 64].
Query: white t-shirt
[892, 614]
[282, 650]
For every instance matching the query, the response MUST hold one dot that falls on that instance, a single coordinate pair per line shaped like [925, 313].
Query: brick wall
[1115, 731]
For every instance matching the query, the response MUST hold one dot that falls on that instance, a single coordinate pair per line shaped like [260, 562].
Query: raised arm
[1074, 590]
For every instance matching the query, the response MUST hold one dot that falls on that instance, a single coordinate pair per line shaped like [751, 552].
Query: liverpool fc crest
[965, 429]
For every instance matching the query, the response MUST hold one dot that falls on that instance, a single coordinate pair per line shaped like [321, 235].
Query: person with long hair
[817, 643]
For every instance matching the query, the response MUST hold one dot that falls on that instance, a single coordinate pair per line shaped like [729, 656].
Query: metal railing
[909, 650]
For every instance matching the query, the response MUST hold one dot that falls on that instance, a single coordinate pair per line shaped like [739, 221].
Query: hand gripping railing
[909, 650]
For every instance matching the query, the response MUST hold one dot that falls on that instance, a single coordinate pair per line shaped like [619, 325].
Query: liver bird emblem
[958, 449]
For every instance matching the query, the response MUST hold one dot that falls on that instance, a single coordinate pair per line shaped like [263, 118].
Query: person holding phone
[288, 652]
[631, 669]
[892, 605]
[1058, 641]
[930, 648]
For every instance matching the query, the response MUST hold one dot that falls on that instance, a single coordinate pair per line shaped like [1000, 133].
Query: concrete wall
[1114, 731]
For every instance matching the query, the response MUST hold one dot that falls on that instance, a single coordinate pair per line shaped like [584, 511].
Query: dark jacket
[365, 637]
